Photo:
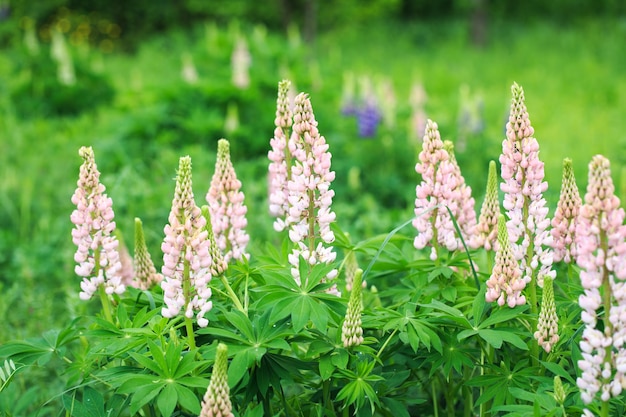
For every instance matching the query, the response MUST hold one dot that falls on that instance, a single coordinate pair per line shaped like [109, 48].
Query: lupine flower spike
[564, 220]
[463, 206]
[146, 274]
[523, 188]
[350, 266]
[128, 270]
[228, 212]
[351, 331]
[310, 196]
[486, 232]
[216, 401]
[505, 283]
[97, 253]
[547, 333]
[601, 246]
[186, 257]
[434, 224]
[280, 157]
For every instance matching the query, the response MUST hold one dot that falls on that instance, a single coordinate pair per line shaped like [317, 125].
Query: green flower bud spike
[351, 331]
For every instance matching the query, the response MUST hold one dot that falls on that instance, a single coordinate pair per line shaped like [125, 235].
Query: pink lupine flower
[146, 274]
[438, 187]
[127, 272]
[486, 231]
[186, 257]
[228, 212]
[216, 401]
[310, 196]
[505, 283]
[280, 157]
[601, 246]
[523, 188]
[463, 207]
[564, 220]
[351, 330]
[547, 333]
[240, 64]
[97, 253]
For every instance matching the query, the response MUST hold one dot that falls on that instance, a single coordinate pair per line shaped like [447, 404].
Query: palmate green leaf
[242, 323]
[495, 337]
[188, 399]
[242, 361]
[502, 315]
[143, 394]
[557, 369]
[27, 352]
[450, 312]
[326, 367]
[148, 363]
[167, 400]
[356, 392]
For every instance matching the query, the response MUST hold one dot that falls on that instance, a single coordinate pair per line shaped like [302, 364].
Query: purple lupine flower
[186, 257]
[310, 196]
[97, 253]
[368, 117]
[146, 274]
[523, 188]
[280, 157]
[547, 334]
[505, 284]
[228, 212]
[216, 401]
[601, 246]
[352, 330]
[434, 224]
[564, 220]
[486, 232]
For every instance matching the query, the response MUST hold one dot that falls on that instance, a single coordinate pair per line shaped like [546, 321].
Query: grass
[572, 76]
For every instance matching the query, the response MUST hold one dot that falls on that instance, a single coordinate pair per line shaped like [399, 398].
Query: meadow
[572, 75]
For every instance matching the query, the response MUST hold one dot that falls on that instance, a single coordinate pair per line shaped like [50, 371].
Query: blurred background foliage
[147, 81]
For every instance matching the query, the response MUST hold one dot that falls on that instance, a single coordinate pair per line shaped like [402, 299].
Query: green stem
[187, 294]
[386, 343]
[434, 395]
[191, 339]
[106, 304]
[232, 295]
[606, 319]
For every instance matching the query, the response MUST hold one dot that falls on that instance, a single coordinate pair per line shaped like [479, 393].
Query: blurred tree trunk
[479, 22]
[310, 20]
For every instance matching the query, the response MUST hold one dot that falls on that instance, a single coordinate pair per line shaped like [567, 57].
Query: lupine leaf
[167, 400]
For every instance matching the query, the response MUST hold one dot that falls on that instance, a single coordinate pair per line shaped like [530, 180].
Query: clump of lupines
[564, 220]
[186, 257]
[547, 333]
[216, 401]
[434, 224]
[523, 188]
[97, 253]
[486, 231]
[280, 157]
[601, 246]
[461, 202]
[146, 274]
[351, 330]
[505, 284]
[228, 212]
[310, 196]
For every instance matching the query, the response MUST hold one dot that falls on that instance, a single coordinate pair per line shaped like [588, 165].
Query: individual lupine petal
[97, 256]
[351, 331]
[216, 401]
[486, 231]
[228, 212]
[461, 202]
[310, 197]
[523, 188]
[186, 257]
[601, 247]
[436, 188]
[218, 264]
[146, 274]
[547, 328]
[280, 157]
[505, 284]
[564, 220]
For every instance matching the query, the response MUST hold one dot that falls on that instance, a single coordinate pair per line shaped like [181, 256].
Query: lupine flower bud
[97, 253]
[486, 232]
[351, 331]
[350, 267]
[505, 283]
[547, 328]
[462, 206]
[564, 221]
[280, 157]
[523, 188]
[559, 390]
[146, 274]
[438, 187]
[216, 401]
[218, 264]
[228, 212]
[186, 256]
[601, 246]
[310, 196]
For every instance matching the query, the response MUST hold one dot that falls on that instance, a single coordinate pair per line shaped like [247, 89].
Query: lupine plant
[452, 317]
